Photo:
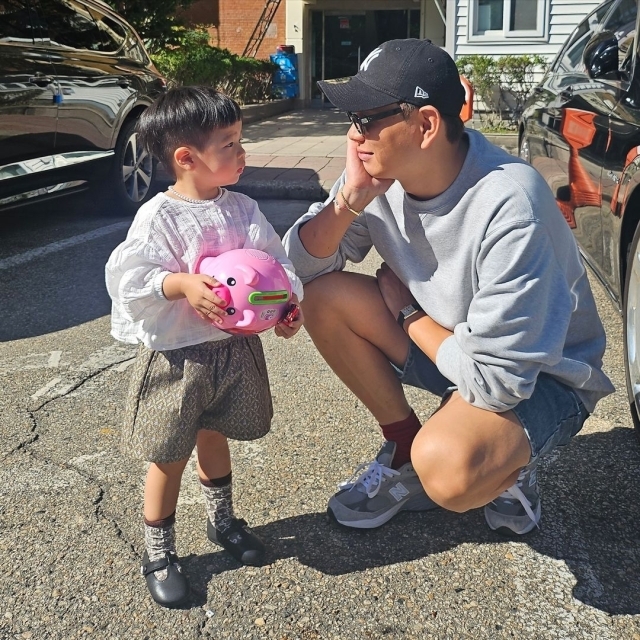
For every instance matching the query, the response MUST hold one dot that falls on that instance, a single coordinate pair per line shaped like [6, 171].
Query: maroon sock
[402, 433]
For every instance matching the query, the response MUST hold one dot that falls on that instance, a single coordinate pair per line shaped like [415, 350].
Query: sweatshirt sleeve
[354, 247]
[517, 321]
[263, 236]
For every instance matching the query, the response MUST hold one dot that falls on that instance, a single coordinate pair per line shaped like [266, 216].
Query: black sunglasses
[361, 123]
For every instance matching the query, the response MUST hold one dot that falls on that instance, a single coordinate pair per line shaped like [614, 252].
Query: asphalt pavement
[70, 501]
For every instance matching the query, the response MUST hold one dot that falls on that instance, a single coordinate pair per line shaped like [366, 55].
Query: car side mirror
[600, 56]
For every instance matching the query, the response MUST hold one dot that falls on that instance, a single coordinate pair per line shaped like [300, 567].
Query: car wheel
[524, 151]
[132, 173]
[631, 329]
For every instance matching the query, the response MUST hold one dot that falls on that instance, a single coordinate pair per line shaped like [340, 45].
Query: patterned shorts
[221, 386]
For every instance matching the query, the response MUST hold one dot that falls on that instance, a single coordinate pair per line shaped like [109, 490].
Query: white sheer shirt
[170, 236]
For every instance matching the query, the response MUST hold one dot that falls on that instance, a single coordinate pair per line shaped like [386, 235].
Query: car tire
[132, 176]
[524, 150]
[631, 329]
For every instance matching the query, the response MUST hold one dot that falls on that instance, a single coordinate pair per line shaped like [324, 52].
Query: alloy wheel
[632, 328]
[525, 151]
[137, 170]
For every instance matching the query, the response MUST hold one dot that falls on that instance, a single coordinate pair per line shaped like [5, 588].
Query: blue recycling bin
[285, 78]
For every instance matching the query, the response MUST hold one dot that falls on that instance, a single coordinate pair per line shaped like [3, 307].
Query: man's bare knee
[337, 295]
[446, 472]
[320, 304]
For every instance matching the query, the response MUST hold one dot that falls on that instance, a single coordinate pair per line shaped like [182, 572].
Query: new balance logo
[399, 491]
[421, 93]
[370, 58]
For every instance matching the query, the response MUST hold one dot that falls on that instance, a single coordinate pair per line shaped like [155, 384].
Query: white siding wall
[564, 16]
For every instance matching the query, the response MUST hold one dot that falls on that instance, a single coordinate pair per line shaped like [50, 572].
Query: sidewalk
[295, 156]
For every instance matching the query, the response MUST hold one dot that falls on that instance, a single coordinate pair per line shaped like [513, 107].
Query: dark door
[624, 146]
[83, 45]
[341, 41]
[27, 93]
[344, 45]
[577, 138]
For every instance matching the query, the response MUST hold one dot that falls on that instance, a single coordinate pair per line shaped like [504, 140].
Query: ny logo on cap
[421, 93]
[369, 59]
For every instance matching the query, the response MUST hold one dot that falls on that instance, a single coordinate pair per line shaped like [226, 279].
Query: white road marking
[54, 359]
[103, 358]
[43, 390]
[39, 252]
[89, 456]
[48, 360]
[124, 365]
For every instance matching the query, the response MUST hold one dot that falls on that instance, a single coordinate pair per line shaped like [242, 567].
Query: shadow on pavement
[590, 522]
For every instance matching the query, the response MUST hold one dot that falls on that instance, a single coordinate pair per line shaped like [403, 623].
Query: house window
[513, 20]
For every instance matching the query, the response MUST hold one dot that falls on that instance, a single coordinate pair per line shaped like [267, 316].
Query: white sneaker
[376, 492]
[516, 510]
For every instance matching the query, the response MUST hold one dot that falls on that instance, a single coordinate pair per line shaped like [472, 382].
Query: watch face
[407, 310]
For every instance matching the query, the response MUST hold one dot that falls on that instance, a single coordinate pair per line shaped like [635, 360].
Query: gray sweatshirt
[493, 260]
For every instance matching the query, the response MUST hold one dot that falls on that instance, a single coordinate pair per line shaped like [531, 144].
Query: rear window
[73, 24]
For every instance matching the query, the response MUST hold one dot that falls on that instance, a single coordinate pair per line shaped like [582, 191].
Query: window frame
[506, 35]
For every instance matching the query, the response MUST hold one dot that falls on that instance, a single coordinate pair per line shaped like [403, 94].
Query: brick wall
[233, 22]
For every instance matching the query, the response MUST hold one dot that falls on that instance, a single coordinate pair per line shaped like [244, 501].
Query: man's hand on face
[395, 295]
[360, 188]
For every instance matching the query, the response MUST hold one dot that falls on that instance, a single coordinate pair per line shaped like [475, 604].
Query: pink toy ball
[253, 284]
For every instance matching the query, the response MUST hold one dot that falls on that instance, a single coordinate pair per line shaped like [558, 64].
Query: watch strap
[407, 312]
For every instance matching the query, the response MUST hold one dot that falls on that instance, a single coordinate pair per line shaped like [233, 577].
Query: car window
[569, 59]
[71, 23]
[112, 33]
[622, 21]
[15, 22]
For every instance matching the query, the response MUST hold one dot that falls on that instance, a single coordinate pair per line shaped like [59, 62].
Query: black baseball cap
[414, 71]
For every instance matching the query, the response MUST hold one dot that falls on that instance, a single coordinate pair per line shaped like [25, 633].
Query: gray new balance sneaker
[516, 510]
[376, 492]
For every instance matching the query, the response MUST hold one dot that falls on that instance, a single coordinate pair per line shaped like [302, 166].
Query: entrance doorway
[341, 41]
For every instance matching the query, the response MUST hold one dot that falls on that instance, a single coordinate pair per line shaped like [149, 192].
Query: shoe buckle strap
[158, 565]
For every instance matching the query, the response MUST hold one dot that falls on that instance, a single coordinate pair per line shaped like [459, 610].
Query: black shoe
[171, 591]
[239, 541]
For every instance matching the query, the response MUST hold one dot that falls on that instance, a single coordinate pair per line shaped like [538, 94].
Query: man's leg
[356, 334]
[466, 456]
[358, 337]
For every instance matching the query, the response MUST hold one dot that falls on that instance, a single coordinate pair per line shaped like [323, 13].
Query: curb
[263, 110]
[281, 190]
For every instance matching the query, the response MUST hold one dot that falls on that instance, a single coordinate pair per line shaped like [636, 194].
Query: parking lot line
[33, 254]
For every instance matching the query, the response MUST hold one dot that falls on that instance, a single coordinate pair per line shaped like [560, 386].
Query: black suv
[74, 78]
[581, 130]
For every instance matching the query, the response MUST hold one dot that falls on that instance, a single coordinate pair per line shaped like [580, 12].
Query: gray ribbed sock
[219, 501]
[159, 539]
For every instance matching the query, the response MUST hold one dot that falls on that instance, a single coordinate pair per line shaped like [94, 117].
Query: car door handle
[41, 81]
[124, 83]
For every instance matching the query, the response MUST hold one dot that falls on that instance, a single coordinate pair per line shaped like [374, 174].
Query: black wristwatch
[407, 312]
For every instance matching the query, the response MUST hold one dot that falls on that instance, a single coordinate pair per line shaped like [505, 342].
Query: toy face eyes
[231, 282]
[230, 311]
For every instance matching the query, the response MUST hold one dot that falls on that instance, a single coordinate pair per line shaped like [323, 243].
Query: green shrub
[501, 84]
[194, 61]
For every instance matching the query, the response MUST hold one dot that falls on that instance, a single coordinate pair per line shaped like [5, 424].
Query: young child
[192, 384]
